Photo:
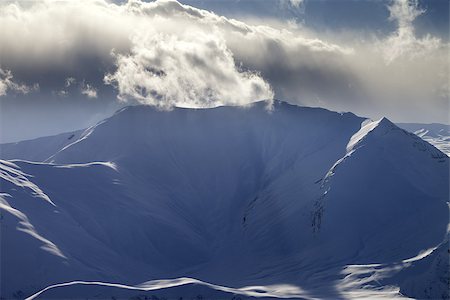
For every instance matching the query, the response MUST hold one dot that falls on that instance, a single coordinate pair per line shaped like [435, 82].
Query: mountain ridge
[57, 142]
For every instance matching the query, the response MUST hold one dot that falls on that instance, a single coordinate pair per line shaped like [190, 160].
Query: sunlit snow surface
[228, 202]
[436, 134]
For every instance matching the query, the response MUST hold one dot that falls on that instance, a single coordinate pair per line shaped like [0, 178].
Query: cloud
[165, 53]
[296, 3]
[70, 81]
[192, 57]
[195, 69]
[403, 41]
[88, 90]
[7, 83]
[70, 84]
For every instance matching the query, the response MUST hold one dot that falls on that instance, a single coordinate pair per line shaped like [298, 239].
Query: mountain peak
[385, 123]
[380, 127]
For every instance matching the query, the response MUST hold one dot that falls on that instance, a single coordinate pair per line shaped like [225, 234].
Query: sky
[65, 65]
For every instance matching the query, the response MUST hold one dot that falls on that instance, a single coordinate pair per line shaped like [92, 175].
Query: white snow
[11, 172]
[225, 201]
[27, 227]
[274, 291]
[366, 127]
[38, 149]
[436, 134]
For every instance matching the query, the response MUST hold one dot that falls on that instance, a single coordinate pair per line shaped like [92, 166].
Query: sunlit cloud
[167, 54]
[7, 83]
[403, 42]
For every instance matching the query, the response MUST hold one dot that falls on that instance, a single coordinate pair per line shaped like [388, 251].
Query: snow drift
[293, 203]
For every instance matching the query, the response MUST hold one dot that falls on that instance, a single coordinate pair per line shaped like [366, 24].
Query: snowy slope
[188, 288]
[436, 134]
[302, 202]
[38, 149]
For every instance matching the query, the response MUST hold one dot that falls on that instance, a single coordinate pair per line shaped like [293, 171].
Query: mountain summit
[316, 203]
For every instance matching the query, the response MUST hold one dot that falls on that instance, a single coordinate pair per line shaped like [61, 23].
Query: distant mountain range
[436, 134]
[226, 203]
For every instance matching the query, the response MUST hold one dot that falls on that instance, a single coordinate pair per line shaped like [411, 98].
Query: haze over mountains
[292, 202]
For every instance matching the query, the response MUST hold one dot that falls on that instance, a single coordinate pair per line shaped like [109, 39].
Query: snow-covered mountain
[292, 202]
[436, 134]
[38, 149]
